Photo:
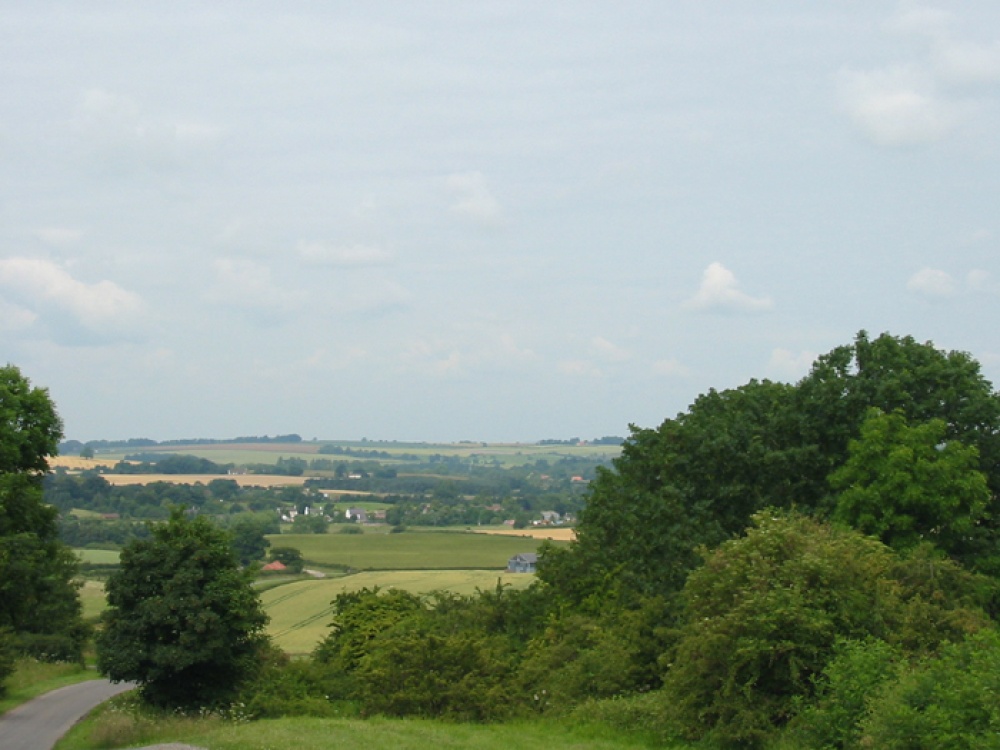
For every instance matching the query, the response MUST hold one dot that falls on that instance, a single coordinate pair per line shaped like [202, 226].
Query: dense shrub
[947, 702]
[764, 613]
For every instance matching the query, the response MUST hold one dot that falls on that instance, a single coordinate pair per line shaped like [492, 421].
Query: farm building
[275, 565]
[524, 562]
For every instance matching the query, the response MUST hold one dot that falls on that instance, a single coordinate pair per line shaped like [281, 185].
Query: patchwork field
[552, 533]
[301, 611]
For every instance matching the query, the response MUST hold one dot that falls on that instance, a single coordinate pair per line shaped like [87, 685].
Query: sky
[497, 221]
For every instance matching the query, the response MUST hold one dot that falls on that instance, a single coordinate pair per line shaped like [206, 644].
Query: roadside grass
[301, 611]
[32, 678]
[108, 729]
[409, 551]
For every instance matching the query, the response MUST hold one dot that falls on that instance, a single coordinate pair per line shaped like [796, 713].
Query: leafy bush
[764, 613]
[845, 689]
[944, 703]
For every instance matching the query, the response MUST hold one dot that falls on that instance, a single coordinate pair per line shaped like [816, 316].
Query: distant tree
[87, 451]
[183, 620]
[248, 538]
[290, 557]
[311, 524]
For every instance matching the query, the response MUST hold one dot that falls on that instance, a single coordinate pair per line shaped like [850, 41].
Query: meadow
[413, 550]
[301, 611]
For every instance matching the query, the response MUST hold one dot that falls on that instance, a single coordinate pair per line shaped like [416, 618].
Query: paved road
[39, 723]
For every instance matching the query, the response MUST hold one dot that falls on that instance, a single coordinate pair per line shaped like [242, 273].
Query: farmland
[423, 550]
[300, 612]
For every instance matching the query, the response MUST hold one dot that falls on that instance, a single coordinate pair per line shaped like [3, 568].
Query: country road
[39, 723]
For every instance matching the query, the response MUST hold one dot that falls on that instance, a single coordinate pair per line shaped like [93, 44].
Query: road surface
[39, 723]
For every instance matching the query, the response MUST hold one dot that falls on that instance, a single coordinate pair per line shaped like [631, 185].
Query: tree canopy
[38, 594]
[183, 619]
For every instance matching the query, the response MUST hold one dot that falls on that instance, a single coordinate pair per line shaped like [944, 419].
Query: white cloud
[932, 282]
[898, 106]
[473, 198]
[122, 136]
[247, 284]
[14, 317]
[785, 364]
[349, 256]
[981, 281]
[40, 285]
[719, 292]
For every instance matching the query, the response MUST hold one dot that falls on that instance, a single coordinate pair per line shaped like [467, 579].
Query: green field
[409, 551]
[98, 556]
[300, 611]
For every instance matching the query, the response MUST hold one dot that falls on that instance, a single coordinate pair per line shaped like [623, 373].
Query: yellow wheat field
[556, 534]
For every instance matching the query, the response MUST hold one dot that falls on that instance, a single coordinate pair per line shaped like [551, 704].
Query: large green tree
[38, 594]
[183, 618]
[908, 484]
[699, 477]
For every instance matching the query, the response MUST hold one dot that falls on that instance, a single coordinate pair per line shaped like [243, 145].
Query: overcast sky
[482, 220]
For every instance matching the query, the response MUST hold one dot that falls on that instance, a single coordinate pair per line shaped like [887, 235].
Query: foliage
[948, 702]
[698, 478]
[907, 484]
[845, 689]
[7, 655]
[183, 619]
[248, 537]
[764, 613]
[290, 557]
[38, 590]
[30, 429]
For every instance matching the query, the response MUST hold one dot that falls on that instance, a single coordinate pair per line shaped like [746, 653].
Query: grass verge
[109, 728]
[32, 678]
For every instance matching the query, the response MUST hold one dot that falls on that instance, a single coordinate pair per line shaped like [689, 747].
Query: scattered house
[551, 517]
[356, 514]
[275, 565]
[524, 562]
[509, 522]
[379, 515]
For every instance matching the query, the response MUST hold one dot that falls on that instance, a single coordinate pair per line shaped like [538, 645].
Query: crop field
[300, 612]
[553, 533]
[244, 480]
[410, 551]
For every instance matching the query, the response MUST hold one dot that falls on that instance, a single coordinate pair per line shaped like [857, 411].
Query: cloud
[580, 368]
[248, 285]
[122, 137]
[898, 106]
[48, 290]
[787, 365]
[719, 292]
[931, 282]
[473, 199]
[349, 256]
[981, 281]
[926, 98]
[14, 317]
